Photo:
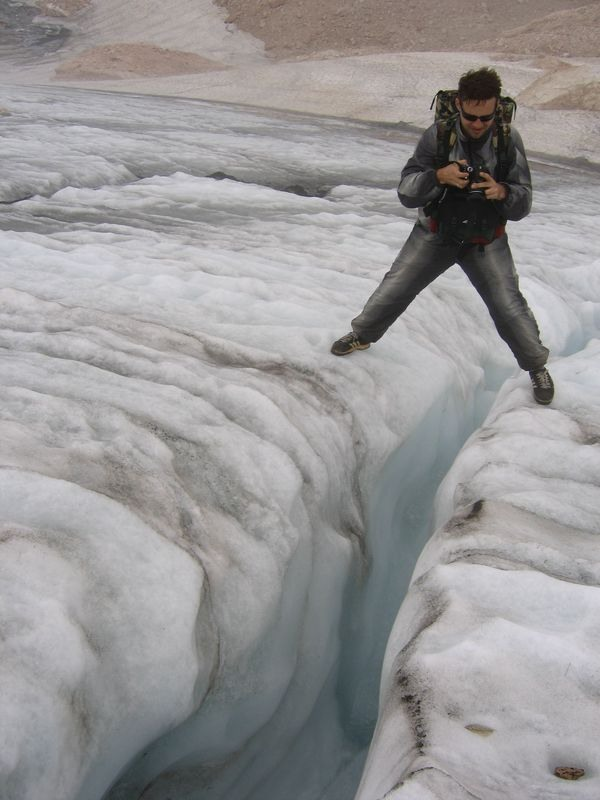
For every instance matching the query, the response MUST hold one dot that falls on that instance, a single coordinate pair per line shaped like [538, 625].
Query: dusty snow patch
[564, 87]
[126, 60]
[60, 8]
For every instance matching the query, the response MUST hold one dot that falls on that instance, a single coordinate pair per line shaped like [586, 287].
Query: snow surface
[209, 522]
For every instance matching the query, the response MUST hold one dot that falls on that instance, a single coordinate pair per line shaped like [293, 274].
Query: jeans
[492, 272]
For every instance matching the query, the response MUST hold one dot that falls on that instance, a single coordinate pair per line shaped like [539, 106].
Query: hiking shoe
[348, 344]
[543, 388]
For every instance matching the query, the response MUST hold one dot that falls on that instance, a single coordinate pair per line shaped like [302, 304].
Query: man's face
[475, 128]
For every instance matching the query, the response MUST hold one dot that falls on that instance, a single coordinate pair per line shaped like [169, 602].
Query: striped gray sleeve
[418, 182]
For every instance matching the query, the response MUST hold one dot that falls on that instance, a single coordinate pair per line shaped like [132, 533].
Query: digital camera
[474, 174]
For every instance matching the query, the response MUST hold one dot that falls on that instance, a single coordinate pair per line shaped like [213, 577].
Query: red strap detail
[498, 232]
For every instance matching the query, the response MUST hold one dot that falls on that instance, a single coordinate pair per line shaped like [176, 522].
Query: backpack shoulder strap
[507, 108]
[446, 137]
[502, 142]
[446, 115]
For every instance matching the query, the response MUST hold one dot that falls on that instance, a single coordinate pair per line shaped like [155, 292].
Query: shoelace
[541, 379]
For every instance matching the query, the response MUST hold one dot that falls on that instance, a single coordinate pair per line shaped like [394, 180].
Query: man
[462, 221]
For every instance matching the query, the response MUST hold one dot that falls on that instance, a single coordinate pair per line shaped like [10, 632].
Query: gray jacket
[418, 183]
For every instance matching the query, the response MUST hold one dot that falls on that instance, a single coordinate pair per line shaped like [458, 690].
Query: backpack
[462, 216]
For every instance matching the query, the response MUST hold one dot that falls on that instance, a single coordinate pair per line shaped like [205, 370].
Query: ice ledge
[491, 678]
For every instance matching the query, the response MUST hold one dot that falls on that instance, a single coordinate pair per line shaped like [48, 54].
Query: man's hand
[492, 190]
[450, 175]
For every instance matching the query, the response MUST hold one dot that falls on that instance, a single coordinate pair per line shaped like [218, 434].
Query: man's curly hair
[479, 84]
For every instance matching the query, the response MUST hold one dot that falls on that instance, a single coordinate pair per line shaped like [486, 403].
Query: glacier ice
[208, 522]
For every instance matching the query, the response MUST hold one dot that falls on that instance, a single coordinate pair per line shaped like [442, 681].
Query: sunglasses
[474, 117]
